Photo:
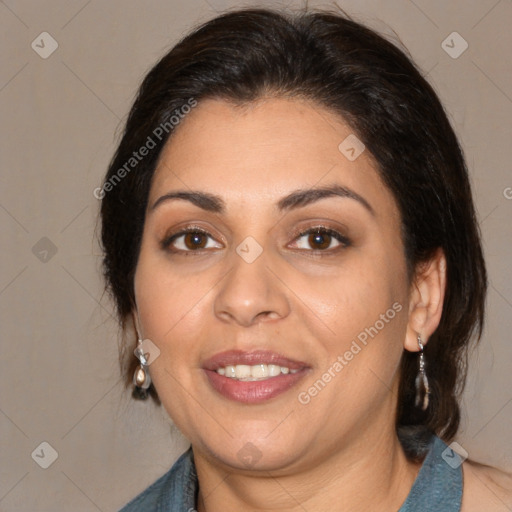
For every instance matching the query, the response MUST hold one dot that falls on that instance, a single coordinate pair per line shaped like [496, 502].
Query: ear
[426, 300]
[136, 324]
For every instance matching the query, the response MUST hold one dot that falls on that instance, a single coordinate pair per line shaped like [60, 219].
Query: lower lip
[253, 392]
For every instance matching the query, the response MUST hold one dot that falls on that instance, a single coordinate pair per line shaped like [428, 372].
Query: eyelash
[343, 240]
[166, 242]
[324, 230]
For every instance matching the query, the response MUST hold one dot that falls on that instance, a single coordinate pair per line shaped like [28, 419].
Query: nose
[251, 293]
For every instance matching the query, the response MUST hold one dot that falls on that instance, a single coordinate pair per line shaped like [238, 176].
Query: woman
[289, 232]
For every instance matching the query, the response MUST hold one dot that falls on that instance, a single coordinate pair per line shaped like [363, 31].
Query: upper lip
[234, 357]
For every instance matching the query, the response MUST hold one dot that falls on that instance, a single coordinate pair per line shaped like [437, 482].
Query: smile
[252, 377]
[247, 373]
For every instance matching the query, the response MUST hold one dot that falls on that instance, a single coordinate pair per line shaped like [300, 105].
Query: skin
[486, 488]
[305, 302]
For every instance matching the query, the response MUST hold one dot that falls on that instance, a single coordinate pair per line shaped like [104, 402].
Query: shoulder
[486, 488]
[173, 491]
[149, 498]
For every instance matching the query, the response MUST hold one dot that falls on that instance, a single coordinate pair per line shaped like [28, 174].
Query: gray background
[61, 117]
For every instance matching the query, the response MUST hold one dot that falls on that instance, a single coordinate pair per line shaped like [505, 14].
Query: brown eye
[319, 240]
[195, 240]
[190, 240]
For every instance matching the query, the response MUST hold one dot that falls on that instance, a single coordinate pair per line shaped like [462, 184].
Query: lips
[252, 392]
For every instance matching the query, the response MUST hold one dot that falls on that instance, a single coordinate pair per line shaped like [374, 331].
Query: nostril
[270, 315]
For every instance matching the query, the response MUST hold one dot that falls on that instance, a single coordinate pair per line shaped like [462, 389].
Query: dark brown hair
[348, 68]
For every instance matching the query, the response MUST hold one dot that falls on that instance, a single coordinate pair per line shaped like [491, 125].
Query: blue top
[438, 486]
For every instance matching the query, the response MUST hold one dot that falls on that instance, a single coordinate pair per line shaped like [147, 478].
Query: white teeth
[259, 371]
[273, 370]
[246, 372]
[242, 371]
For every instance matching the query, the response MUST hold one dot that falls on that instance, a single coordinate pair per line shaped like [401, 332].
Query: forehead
[265, 149]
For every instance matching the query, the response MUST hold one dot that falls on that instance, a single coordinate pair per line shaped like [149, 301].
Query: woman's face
[276, 258]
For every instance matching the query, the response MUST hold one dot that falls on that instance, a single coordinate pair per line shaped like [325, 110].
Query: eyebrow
[301, 198]
[203, 200]
[296, 199]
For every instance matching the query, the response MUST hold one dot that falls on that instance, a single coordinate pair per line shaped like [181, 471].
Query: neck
[373, 473]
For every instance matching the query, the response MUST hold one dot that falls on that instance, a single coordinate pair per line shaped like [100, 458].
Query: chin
[252, 452]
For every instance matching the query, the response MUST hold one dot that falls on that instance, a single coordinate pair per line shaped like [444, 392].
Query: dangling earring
[422, 388]
[141, 378]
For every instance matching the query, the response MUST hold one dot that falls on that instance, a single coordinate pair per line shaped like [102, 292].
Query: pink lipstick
[253, 377]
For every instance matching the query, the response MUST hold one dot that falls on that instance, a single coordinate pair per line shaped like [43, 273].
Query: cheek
[165, 299]
[353, 298]
[172, 314]
[359, 317]
[360, 326]
[166, 307]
